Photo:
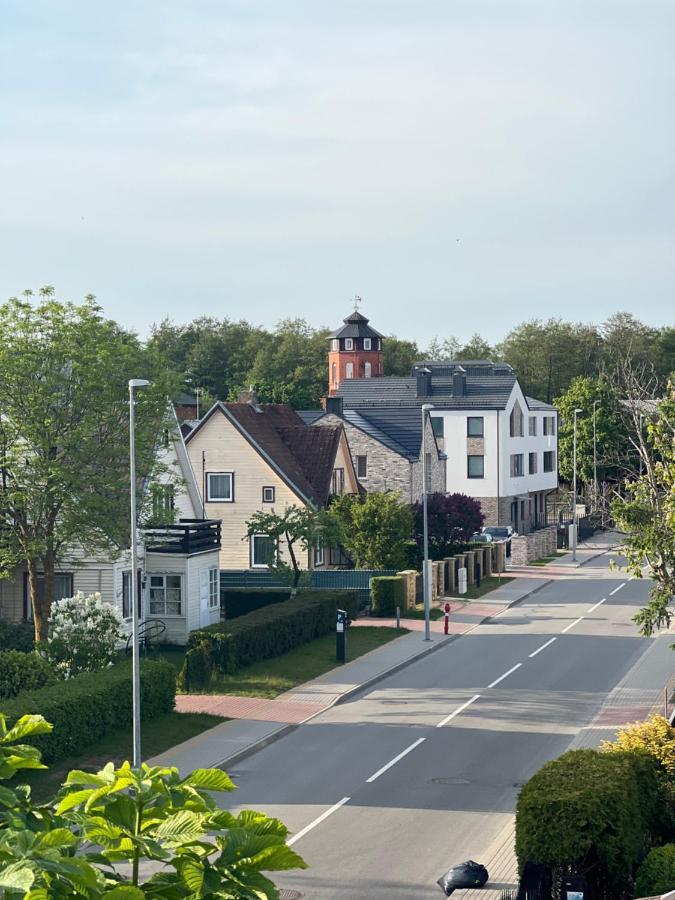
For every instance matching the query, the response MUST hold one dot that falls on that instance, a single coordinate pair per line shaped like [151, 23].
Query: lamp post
[595, 457]
[642, 419]
[574, 488]
[197, 390]
[425, 570]
[135, 649]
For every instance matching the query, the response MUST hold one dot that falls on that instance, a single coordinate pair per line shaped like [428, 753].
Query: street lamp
[642, 419]
[426, 407]
[595, 457]
[574, 488]
[135, 649]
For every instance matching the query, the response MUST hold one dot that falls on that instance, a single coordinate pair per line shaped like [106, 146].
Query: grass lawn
[545, 560]
[418, 613]
[486, 585]
[272, 677]
[157, 735]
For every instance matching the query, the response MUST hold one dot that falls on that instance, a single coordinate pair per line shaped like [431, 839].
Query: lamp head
[138, 382]
[578, 411]
[427, 406]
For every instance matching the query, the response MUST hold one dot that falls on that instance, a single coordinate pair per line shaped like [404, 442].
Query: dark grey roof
[470, 367]
[355, 326]
[309, 416]
[482, 392]
[397, 427]
[539, 404]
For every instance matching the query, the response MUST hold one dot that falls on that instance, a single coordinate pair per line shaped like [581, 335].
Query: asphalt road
[384, 793]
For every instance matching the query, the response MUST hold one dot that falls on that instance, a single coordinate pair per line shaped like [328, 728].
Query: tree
[376, 529]
[476, 348]
[399, 356]
[611, 439]
[452, 519]
[442, 351]
[645, 510]
[64, 436]
[296, 526]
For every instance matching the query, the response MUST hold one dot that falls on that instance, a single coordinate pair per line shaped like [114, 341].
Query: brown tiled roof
[314, 450]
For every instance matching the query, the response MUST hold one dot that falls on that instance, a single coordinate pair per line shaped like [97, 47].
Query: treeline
[288, 364]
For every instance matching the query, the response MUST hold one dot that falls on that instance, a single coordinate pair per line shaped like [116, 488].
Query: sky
[462, 165]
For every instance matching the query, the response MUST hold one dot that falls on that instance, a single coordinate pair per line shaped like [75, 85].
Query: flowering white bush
[83, 633]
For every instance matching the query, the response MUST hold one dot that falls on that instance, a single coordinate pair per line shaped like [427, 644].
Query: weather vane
[356, 302]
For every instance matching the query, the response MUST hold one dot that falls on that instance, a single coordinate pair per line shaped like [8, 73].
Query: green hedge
[262, 634]
[386, 593]
[594, 812]
[656, 875]
[246, 600]
[85, 708]
[23, 672]
[16, 636]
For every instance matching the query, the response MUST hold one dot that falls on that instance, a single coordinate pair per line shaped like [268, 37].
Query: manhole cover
[290, 895]
[450, 780]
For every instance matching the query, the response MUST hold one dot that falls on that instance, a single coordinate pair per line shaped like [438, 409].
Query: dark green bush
[262, 634]
[386, 593]
[656, 875]
[16, 636]
[23, 672]
[241, 602]
[594, 812]
[86, 707]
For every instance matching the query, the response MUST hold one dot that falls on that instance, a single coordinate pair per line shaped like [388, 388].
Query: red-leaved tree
[452, 519]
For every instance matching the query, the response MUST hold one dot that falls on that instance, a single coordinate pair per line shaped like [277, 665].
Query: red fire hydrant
[447, 618]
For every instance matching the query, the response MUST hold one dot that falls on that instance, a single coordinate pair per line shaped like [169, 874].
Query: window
[334, 373]
[361, 466]
[318, 555]
[165, 438]
[63, 587]
[475, 466]
[475, 426]
[268, 494]
[549, 424]
[516, 465]
[337, 557]
[162, 502]
[220, 487]
[263, 551]
[349, 370]
[337, 483]
[533, 426]
[165, 595]
[349, 344]
[549, 461]
[367, 343]
[532, 463]
[367, 370]
[214, 588]
[427, 466]
[516, 421]
[126, 593]
[335, 344]
[438, 425]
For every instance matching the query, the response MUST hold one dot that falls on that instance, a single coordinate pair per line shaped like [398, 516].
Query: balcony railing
[188, 536]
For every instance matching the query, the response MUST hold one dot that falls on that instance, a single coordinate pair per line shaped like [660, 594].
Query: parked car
[500, 533]
[481, 537]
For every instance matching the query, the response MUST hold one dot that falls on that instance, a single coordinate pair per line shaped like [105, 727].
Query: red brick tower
[355, 351]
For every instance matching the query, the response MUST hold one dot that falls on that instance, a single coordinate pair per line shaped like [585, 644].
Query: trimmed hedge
[242, 601]
[16, 636]
[23, 672]
[386, 593]
[90, 705]
[656, 875]
[262, 634]
[594, 812]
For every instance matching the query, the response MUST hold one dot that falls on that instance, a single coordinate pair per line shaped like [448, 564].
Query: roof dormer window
[349, 343]
[367, 343]
[335, 344]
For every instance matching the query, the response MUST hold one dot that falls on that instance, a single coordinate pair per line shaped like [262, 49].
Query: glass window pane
[476, 466]
[437, 424]
[263, 550]
[220, 486]
[474, 426]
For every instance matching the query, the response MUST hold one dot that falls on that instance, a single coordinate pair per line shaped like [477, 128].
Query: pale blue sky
[461, 164]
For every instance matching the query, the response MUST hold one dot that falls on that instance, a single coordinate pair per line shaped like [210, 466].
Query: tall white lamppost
[595, 457]
[135, 648]
[574, 488]
[426, 565]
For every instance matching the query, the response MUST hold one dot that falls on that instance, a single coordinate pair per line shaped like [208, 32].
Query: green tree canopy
[376, 529]
[476, 348]
[399, 356]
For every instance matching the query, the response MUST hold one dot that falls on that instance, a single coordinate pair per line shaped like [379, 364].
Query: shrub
[655, 736]
[241, 602]
[452, 519]
[376, 529]
[615, 797]
[23, 672]
[656, 875]
[386, 593]
[83, 634]
[90, 705]
[262, 634]
[16, 636]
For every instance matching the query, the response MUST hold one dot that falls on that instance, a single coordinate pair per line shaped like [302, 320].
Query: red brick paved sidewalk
[288, 711]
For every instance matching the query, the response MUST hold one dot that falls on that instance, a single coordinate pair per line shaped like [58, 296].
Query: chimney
[334, 405]
[249, 397]
[459, 382]
[424, 382]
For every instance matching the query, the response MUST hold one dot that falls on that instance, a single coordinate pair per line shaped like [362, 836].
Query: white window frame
[254, 564]
[367, 370]
[514, 465]
[319, 555]
[349, 343]
[335, 344]
[214, 587]
[367, 343]
[164, 587]
[265, 497]
[533, 426]
[349, 370]
[532, 470]
[209, 496]
[553, 461]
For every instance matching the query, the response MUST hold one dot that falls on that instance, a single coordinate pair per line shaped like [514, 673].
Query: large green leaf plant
[129, 833]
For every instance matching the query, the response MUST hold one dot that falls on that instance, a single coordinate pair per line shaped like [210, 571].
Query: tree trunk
[40, 622]
[294, 562]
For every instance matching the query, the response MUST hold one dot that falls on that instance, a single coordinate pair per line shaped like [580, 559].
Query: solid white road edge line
[611, 593]
[458, 711]
[317, 821]
[394, 761]
[505, 675]
[596, 605]
[572, 624]
[543, 647]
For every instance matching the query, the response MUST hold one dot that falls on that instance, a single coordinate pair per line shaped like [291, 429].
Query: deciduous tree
[376, 529]
[452, 519]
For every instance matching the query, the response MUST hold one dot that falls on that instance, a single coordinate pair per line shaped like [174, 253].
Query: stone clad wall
[527, 547]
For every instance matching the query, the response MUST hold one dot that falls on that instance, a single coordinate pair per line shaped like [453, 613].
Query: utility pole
[426, 566]
[574, 488]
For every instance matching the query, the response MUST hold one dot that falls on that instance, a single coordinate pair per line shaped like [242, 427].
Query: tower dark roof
[355, 326]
